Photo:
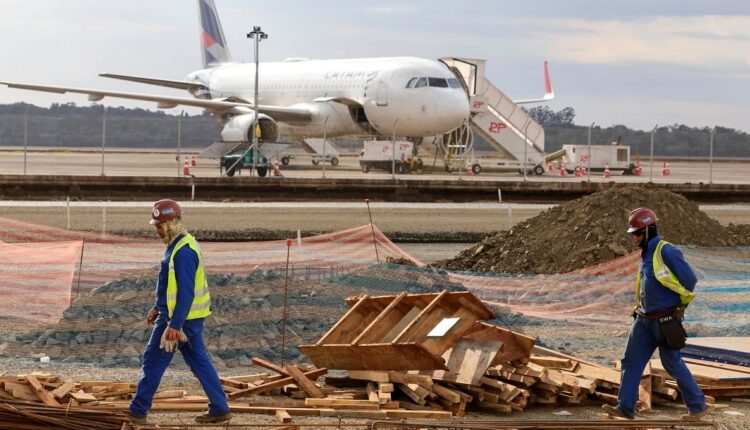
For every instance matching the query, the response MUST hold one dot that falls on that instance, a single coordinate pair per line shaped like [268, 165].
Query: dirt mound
[592, 230]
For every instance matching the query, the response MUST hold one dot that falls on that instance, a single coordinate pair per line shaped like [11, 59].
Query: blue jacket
[185, 266]
[654, 296]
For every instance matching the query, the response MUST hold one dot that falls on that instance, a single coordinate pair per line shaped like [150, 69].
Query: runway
[162, 163]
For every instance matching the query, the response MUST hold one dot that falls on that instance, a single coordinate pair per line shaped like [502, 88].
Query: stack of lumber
[715, 379]
[51, 390]
[15, 415]
[368, 400]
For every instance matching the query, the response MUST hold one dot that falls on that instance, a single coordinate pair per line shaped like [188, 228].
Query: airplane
[301, 98]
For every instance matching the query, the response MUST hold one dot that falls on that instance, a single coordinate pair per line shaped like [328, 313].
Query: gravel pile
[108, 326]
[592, 230]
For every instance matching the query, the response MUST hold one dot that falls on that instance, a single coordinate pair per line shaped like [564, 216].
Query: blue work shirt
[654, 296]
[185, 266]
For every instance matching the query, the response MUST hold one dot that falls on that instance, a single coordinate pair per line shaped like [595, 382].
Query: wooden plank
[496, 407]
[516, 347]
[253, 378]
[434, 303]
[446, 393]
[644, 389]
[272, 385]
[270, 366]
[370, 375]
[44, 395]
[554, 362]
[411, 391]
[439, 344]
[170, 394]
[353, 413]
[402, 356]
[304, 383]
[283, 416]
[340, 404]
[83, 397]
[385, 387]
[410, 378]
[63, 390]
[233, 383]
[21, 391]
[353, 321]
[372, 392]
[468, 360]
[407, 414]
[372, 333]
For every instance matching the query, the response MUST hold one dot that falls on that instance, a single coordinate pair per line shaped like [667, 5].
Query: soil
[592, 230]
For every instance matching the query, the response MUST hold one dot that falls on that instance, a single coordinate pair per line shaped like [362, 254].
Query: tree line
[677, 140]
[68, 125]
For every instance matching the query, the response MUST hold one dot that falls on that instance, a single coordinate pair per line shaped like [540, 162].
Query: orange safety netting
[106, 258]
[36, 278]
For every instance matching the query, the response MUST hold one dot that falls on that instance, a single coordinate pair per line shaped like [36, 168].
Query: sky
[638, 63]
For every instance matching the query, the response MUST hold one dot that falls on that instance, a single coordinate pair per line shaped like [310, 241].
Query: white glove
[171, 345]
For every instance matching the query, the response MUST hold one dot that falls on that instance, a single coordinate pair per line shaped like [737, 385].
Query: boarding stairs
[500, 122]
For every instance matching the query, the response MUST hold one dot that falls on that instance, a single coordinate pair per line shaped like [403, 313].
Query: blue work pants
[645, 337]
[156, 360]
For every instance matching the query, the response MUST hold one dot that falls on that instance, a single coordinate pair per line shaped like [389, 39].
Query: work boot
[142, 421]
[616, 412]
[696, 416]
[208, 418]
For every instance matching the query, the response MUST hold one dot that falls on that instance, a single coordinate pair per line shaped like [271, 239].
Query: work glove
[171, 345]
[679, 313]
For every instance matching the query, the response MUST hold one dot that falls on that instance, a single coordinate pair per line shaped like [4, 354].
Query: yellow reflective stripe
[199, 306]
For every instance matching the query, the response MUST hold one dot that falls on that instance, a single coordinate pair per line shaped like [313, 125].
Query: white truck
[617, 157]
[384, 155]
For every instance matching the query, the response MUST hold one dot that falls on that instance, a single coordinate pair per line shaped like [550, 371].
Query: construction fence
[87, 294]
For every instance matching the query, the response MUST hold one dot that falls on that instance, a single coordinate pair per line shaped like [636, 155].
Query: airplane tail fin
[213, 45]
[549, 91]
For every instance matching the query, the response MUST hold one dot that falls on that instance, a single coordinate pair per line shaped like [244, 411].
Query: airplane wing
[279, 113]
[180, 85]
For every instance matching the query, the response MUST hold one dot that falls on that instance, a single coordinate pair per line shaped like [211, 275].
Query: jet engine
[239, 128]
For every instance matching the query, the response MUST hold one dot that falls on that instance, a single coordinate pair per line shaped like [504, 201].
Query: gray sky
[637, 63]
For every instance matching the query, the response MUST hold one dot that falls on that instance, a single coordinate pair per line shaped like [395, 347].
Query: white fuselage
[348, 95]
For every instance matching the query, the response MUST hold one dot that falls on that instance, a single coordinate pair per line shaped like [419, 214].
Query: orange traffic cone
[563, 171]
[638, 169]
[549, 166]
[276, 170]
[186, 168]
[578, 171]
[606, 170]
[665, 170]
[193, 162]
[469, 171]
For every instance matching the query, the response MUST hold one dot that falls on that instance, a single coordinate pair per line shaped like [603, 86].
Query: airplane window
[411, 83]
[422, 82]
[438, 82]
[453, 82]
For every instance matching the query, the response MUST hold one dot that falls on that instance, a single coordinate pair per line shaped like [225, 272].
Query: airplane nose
[452, 110]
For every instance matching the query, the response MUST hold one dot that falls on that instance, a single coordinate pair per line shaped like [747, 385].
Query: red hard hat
[641, 218]
[165, 210]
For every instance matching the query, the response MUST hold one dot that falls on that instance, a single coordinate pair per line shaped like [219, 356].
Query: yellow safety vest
[201, 307]
[665, 277]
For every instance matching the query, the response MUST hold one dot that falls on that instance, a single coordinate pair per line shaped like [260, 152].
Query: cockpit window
[438, 82]
[453, 82]
[422, 82]
[412, 82]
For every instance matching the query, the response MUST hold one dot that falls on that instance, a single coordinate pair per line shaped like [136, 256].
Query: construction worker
[664, 288]
[182, 303]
